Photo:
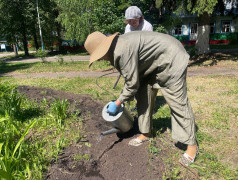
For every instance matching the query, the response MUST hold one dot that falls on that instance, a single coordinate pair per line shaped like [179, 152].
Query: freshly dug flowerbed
[110, 158]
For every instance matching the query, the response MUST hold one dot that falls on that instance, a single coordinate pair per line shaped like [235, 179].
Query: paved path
[62, 74]
[200, 71]
[51, 59]
[204, 71]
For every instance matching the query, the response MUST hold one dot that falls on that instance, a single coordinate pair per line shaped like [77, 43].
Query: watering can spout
[111, 131]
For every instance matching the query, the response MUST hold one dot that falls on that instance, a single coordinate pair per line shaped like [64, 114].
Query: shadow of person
[183, 146]
[159, 102]
[160, 124]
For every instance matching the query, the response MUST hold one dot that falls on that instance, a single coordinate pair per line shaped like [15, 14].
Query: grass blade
[22, 137]
[4, 175]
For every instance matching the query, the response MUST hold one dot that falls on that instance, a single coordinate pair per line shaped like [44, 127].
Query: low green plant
[12, 104]
[60, 143]
[25, 151]
[172, 174]
[60, 59]
[12, 163]
[79, 157]
[59, 110]
[5, 88]
[41, 54]
[152, 148]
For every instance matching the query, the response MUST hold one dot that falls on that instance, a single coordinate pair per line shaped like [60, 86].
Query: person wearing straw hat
[135, 20]
[149, 61]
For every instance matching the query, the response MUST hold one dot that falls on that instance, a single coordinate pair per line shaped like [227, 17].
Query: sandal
[137, 141]
[186, 160]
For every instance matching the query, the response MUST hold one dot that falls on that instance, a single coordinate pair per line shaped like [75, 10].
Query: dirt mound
[109, 159]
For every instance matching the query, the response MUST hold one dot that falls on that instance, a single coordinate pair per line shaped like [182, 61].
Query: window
[212, 28]
[177, 30]
[193, 31]
[194, 28]
[226, 27]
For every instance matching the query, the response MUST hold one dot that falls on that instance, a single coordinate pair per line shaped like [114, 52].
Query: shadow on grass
[11, 67]
[213, 58]
[29, 113]
[159, 102]
[161, 124]
[26, 114]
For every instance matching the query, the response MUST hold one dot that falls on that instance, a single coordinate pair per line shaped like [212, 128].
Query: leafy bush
[161, 29]
[107, 18]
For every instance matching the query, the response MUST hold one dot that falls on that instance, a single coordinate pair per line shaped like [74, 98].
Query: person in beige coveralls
[149, 61]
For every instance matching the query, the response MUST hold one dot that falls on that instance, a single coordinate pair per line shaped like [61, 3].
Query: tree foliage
[75, 19]
[19, 24]
[200, 6]
[106, 18]
[16, 18]
[80, 19]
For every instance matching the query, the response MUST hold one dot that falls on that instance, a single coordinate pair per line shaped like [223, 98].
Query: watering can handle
[120, 110]
[116, 82]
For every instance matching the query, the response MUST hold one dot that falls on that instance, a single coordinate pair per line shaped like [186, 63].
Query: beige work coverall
[149, 61]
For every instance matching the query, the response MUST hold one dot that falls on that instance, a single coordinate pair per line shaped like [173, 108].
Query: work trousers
[182, 117]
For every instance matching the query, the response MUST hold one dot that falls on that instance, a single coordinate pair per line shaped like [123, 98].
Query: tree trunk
[15, 49]
[25, 45]
[59, 39]
[24, 39]
[202, 43]
[35, 41]
[58, 29]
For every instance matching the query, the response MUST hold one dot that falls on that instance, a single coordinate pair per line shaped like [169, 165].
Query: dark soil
[111, 158]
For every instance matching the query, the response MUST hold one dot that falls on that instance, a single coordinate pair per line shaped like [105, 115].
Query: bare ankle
[144, 136]
[192, 150]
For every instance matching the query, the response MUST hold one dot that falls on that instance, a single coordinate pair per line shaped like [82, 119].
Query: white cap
[133, 12]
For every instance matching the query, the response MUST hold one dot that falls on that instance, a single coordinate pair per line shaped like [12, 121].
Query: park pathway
[200, 71]
[192, 71]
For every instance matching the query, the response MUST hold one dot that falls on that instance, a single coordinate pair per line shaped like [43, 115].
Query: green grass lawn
[39, 67]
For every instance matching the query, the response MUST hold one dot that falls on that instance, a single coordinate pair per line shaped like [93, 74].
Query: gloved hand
[112, 108]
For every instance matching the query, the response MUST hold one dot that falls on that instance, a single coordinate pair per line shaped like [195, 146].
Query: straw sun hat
[97, 44]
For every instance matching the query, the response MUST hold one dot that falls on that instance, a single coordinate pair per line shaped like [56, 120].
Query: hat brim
[102, 48]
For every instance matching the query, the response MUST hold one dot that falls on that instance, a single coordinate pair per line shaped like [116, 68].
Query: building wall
[187, 24]
[215, 38]
[219, 20]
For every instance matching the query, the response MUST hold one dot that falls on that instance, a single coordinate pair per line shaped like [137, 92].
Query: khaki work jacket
[156, 56]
